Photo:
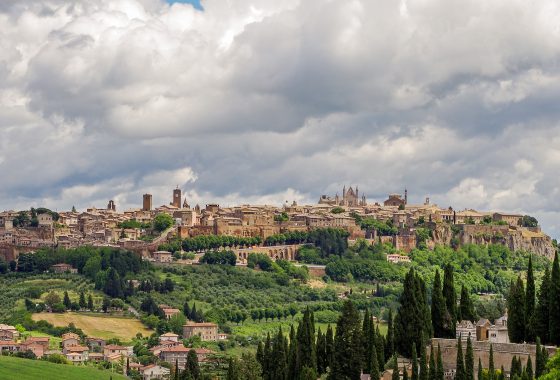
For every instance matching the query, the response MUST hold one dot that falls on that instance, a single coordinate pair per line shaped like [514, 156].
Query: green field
[98, 325]
[25, 369]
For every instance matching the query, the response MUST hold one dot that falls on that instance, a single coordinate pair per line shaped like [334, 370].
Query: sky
[272, 101]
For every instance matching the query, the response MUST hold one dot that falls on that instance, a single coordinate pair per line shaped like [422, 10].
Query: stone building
[207, 331]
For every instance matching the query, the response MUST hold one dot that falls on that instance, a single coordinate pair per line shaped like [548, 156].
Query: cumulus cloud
[273, 101]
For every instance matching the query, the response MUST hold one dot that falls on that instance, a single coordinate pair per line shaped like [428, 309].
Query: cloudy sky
[267, 101]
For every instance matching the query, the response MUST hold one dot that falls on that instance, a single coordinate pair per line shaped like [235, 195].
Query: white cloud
[278, 101]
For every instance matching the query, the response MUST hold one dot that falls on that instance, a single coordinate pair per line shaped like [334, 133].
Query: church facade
[350, 198]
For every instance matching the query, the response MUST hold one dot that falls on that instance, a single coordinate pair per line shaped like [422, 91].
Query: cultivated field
[25, 369]
[97, 325]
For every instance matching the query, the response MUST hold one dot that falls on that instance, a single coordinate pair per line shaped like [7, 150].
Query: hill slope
[25, 369]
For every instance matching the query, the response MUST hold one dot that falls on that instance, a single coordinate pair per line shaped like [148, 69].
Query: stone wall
[503, 353]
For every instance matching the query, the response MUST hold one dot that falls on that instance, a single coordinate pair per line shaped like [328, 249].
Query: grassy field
[98, 325]
[25, 369]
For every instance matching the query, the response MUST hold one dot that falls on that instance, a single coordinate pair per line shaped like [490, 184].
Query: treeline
[330, 241]
[531, 315]
[307, 354]
[29, 218]
[133, 223]
[382, 227]
[107, 267]
[219, 257]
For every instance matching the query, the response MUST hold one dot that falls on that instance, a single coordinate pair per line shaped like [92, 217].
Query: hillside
[24, 369]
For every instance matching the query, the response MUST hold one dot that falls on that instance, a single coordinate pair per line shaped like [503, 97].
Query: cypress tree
[82, 302]
[423, 375]
[374, 372]
[541, 317]
[67, 302]
[460, 363]
[413, 321]
[466, 307]
[432, 370]
[306, 350]
[554, 303]
[321, 353]
[414, 364]
[513, 367]
[529, 368]
[292, 353]
[539, 362]
[438, 307]
[367, 333]
[491, 370]
[440, 372]
[260, 355]
[395, 375]
[233, 370]
[516, 311]
[267, 357]
[450, 299]
[348, 343]
[390, 337]
[380, 346]
[278, 361]
[329, 338]
[192, 367]
[479, 377]
[176, 373]
[469, 360]
[530, 303]
[90, 302]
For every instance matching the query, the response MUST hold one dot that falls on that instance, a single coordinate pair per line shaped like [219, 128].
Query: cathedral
[350, 198]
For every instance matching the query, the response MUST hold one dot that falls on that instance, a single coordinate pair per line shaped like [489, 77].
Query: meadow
[25, 369]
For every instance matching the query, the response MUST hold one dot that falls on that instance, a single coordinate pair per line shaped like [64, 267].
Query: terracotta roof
[176, 349]
[115, 347]
[201, 324]
[77, 348]
[169, 334]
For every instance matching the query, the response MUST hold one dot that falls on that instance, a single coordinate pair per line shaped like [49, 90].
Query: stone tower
[147, 202]
[176, 197]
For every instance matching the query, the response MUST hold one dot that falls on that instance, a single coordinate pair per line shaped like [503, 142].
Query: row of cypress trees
[532, 315]
[357, 347]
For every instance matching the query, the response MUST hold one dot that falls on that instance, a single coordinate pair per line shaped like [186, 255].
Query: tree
[306, 350]
[450, 299]
[113, 285]
[460, 364]
[541, 319]
[162, 222]
[82, 302]
[528, 221]
[413, 321]
[390, 337]
[395, 375]
[250, 368]
[554, 303]
[192, 367]
[469, 361]
[491, 370]
[530, 303]
[330, 349]
[414, 364]
[52, 299]
[529, 368]
[466, 307]
[374, 372]
[553, 368]
[540, 361]
[67, 303]
[440, 371]
[347, 363]
[438, 308]
[479, 375]
[278, 365]
[516, 311]
[432, 371]
[423, 375]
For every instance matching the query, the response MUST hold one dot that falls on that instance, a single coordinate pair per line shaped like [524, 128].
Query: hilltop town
[395, 221]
